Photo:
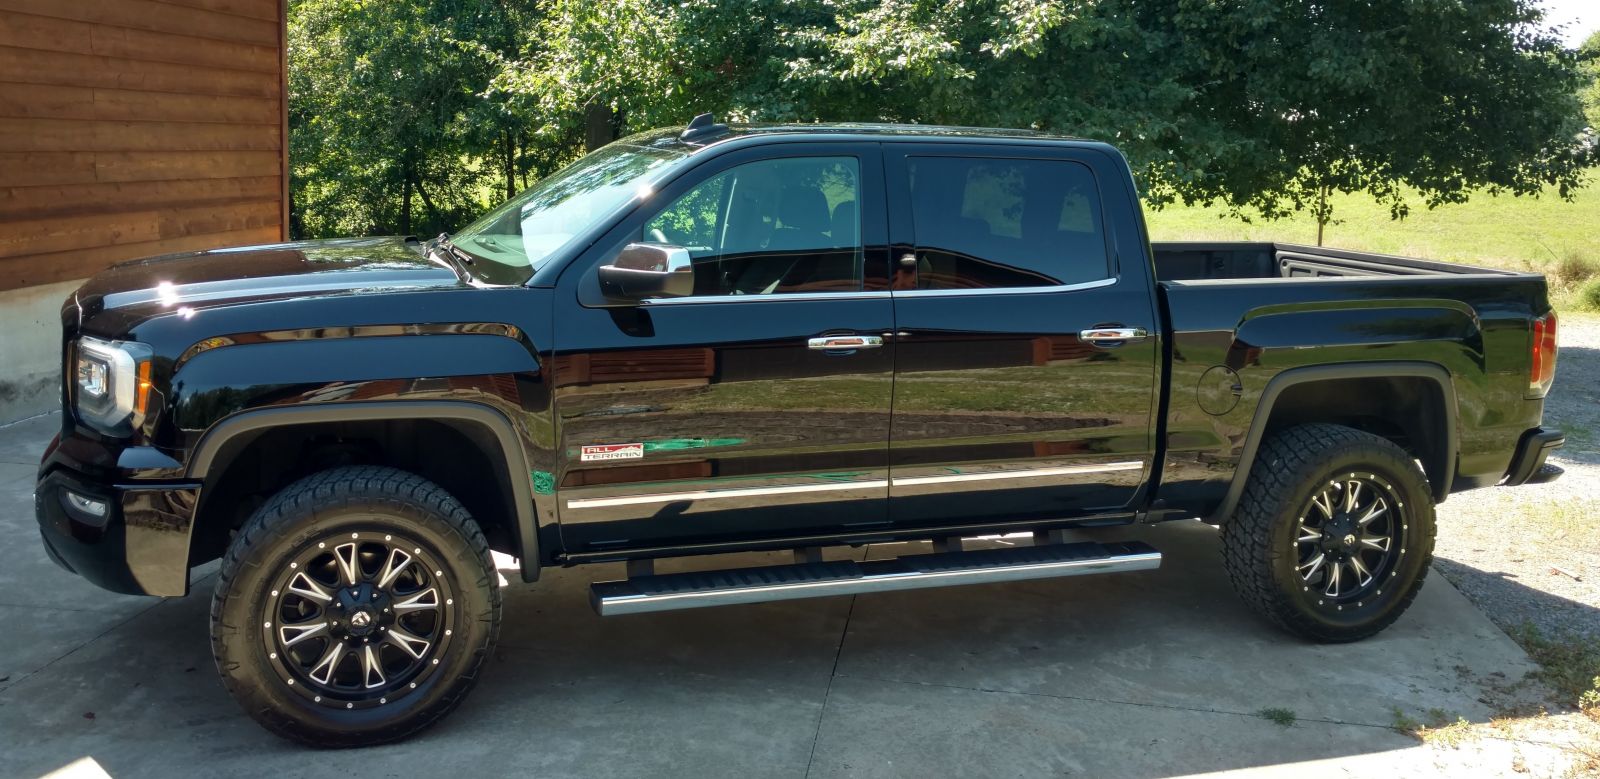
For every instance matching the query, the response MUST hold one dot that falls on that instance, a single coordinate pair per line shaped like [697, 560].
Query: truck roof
[703, 133]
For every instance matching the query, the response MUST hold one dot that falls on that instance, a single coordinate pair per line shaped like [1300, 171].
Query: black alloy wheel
[1349, 538]
[359, 620]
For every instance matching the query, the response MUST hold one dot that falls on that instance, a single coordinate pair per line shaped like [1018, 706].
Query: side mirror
[648, 270]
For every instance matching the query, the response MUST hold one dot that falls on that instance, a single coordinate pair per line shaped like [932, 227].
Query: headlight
[113, 384]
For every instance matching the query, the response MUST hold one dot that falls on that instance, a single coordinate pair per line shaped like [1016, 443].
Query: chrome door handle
[832, 343]
[1112, 336]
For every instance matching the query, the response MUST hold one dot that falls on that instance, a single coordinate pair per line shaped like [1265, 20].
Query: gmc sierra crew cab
[735, 338]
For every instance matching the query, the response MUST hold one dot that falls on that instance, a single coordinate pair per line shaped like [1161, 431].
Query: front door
[757, 407]
[1004, 406]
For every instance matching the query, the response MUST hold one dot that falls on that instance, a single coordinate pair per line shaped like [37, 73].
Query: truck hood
[136, 290]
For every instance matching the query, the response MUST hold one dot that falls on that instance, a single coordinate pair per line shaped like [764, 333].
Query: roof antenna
[702, 126]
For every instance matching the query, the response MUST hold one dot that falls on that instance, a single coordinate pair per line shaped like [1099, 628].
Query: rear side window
[984, 223]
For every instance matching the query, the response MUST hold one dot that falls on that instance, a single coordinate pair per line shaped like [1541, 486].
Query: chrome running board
[697, 589]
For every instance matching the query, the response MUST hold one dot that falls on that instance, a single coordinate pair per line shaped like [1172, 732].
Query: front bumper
[1528, 465]
[139, 546]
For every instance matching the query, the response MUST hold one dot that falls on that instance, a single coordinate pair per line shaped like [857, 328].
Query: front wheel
[356, 607]
[1333, 535]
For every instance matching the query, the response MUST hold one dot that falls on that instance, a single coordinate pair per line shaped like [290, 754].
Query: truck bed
[1242, 313]
[1237, 260]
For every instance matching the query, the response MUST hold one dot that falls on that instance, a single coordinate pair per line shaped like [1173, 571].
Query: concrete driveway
[1142, 675]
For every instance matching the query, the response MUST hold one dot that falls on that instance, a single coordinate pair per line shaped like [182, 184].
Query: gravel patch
[1531, 555]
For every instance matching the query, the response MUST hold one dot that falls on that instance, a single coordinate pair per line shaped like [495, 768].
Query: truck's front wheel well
[461, 456]
[1411, 411]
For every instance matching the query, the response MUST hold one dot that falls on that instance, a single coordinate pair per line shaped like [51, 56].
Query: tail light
[1542, 368]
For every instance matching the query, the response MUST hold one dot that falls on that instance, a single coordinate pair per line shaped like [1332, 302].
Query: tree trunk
[598, 128]
[427, 202]
[511, 164]
[405, 201]
[522, 150]
[1322, 212]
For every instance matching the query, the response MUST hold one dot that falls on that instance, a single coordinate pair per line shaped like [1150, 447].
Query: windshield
[531, 227]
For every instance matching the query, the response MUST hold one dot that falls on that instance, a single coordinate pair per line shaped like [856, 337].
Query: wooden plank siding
[130, 128]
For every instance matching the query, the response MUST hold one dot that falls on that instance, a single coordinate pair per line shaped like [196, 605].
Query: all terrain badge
[612, 452]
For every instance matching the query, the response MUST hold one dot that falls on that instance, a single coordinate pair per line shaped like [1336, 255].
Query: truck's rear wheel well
[1408, 410]
[461, 456]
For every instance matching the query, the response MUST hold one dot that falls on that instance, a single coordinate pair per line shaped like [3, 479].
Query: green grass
[1278, 716]
[1546, 234]
[1569, 665]
[1403, 723]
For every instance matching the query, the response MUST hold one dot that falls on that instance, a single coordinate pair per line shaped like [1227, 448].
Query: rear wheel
[1333, 535]
[355, 607]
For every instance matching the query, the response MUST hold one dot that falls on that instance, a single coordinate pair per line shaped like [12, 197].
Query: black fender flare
[216, 438]
[1357, 370]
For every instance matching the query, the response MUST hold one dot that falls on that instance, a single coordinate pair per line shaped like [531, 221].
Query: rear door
[1026, 344]
[759, 406]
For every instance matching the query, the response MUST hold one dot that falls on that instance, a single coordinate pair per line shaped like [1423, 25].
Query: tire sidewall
[241, 650]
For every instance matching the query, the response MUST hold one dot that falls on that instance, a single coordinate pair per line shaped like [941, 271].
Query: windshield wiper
[443, 245]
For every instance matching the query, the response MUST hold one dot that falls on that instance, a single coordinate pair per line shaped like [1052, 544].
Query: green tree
[410, 115]
[392, 126]
[1591, 92]
[1265, 105]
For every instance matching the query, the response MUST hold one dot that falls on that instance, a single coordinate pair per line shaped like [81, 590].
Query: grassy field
[1547, 234]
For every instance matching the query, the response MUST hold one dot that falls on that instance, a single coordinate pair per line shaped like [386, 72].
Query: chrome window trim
[746, 492]
[879, 294]
[1082, 285]
[779, 296]
[1126, 465]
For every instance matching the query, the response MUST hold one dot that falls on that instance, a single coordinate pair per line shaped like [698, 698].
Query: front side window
[983, 223]
[770, 227]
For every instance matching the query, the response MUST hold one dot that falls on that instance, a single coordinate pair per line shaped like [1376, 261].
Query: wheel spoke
[1309, 534]
[1363, 576]
[393, 567]
[1378, 509]
[1379, 543]
[427, 599]
[370, 667]
[1332, 589]
[345, 554]
[294, 634]
[413, 645]
[1352, 495]
[1324, 503]
[307, 587]
[1310, 567]
[322, 672]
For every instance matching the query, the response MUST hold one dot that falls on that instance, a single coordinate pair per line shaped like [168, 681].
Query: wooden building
[130, 128]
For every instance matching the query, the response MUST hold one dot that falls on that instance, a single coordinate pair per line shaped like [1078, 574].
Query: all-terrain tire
[369, 504]
[1261, 543]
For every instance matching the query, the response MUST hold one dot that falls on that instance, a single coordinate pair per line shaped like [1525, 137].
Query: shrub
[1587, 297]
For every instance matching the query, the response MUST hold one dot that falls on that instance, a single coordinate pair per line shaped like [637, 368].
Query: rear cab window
[995, 223]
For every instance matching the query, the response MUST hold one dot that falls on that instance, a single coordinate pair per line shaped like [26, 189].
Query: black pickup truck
[725, 339]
